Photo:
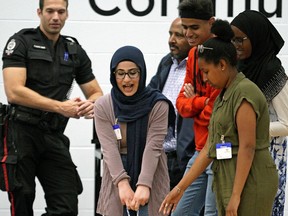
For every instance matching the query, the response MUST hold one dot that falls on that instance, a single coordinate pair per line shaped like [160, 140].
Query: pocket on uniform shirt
[66, 72]
[39, 66]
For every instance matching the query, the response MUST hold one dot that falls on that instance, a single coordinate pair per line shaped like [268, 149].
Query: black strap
[197, 75]
[194, 71]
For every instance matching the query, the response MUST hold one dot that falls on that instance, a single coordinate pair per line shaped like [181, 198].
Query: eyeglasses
[201, 48]
[238, 41]
[132, 73]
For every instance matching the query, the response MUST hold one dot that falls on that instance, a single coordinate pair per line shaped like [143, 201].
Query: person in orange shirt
[195, 100]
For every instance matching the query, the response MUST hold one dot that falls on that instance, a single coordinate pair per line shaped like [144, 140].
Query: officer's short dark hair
[197, 7]
[41, 4]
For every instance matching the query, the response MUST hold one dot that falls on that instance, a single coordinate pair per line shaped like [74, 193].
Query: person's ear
[211, 21]
[223, 64]
[39, 12]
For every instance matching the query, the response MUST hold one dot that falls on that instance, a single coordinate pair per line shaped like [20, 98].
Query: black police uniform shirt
[50, 69]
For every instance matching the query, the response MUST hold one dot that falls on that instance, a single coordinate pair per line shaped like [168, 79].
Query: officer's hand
[70, 108]
[86, 109]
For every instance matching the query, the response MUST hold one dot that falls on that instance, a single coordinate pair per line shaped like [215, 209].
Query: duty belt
[43, 120]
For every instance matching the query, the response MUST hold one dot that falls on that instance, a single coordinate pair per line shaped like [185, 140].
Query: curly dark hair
[220, 46]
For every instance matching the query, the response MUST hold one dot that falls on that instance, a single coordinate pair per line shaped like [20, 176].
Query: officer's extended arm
[17, 93]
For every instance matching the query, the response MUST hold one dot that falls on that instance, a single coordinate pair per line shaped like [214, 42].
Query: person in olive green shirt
[245, 176]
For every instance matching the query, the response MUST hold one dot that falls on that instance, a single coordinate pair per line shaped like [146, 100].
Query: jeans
[198, 194]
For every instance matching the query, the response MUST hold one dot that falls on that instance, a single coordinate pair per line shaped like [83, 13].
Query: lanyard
[129, 213]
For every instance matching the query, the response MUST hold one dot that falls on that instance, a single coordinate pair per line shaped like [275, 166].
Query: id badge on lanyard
[117, 131]
[223, 150]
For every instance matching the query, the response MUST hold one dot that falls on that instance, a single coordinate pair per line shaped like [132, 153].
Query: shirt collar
[175, 61]
[240, 76]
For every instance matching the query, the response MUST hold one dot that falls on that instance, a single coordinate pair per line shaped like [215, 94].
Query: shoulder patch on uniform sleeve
[11, 46]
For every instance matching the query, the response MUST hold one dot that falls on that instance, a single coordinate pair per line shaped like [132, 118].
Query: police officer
[39, 66]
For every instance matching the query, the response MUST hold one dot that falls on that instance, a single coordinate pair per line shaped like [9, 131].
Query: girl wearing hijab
[258, 42]
[131, 124]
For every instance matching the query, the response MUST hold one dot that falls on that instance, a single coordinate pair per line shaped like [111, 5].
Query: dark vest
[50, 69]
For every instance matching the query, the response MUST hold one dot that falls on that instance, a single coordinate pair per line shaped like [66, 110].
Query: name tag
[223, 151]
[117, 131]
[39, 47]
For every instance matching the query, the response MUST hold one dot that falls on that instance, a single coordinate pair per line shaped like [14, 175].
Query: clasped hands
[133, 200]
[76, 108]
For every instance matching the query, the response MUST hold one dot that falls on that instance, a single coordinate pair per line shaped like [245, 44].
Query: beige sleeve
[157, 130]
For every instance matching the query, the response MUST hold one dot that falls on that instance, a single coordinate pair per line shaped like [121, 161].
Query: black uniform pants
[45, 155]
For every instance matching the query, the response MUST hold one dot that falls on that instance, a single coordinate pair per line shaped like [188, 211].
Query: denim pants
[143, 210]
[198, 194]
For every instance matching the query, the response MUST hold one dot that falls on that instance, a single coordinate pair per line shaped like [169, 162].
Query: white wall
[101, 36]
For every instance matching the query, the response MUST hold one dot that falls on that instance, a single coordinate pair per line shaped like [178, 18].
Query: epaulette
[27, 31]
[70, 39]
[26, 35]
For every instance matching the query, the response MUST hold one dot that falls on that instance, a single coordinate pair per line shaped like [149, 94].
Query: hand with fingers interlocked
[141, 197]
[133, 200]
[126, 193]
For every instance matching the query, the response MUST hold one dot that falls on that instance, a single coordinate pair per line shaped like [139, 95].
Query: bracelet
[178, 189]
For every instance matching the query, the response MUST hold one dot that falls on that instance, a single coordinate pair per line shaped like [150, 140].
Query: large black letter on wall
[164, 8]
[278, 10]
[140, 13]
[103, 12]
